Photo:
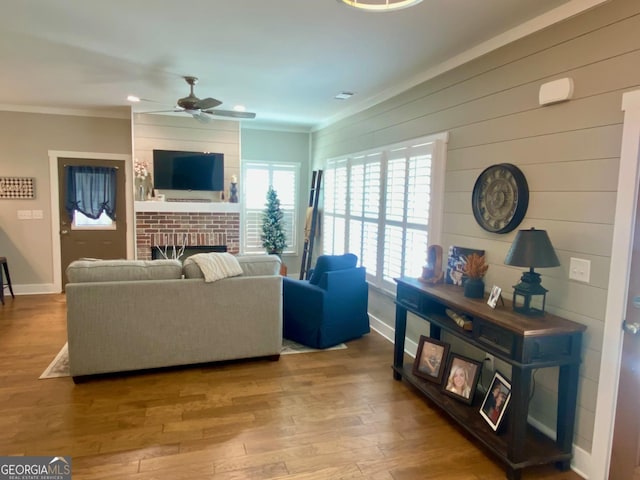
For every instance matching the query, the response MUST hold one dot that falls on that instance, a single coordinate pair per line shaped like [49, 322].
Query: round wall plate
[500, 198]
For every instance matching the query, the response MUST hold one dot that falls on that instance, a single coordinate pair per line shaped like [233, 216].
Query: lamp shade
[532, 248]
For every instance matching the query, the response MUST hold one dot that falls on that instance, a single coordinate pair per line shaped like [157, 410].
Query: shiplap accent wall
[569, 153]
[165, 132]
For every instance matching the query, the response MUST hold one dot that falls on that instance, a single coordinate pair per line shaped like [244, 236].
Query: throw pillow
[216, 266]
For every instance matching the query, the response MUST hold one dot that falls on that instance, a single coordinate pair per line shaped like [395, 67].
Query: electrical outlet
[488, 360]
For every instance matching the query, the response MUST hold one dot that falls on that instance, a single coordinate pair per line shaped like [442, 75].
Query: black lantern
[531, 248]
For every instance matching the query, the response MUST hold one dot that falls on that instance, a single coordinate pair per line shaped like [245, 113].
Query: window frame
[376, 277]
[291, 249]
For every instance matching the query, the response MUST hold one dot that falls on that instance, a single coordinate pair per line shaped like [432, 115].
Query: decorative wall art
[456, 263]
[12, 188]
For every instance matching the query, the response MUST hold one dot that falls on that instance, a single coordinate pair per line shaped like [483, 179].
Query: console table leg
[398, 349]
[513, 474]
[519, 407]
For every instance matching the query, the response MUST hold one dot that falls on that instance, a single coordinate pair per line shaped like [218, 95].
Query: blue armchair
[330, 307]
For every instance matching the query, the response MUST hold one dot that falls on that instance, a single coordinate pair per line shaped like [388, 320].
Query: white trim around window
[386, 206]
[255, 181]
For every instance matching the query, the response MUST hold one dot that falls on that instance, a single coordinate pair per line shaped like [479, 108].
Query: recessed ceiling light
[380, 5]
[133, 98]
[344, 95]
[240, 108]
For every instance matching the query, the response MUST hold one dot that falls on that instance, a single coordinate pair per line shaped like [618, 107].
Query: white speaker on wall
[556, 91]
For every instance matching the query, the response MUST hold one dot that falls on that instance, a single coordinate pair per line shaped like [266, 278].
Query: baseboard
[32, 289]
[581, 459]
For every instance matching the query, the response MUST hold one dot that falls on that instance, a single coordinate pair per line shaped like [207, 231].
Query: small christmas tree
[273, 238]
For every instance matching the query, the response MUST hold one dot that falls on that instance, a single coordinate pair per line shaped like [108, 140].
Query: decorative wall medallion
[500, 198]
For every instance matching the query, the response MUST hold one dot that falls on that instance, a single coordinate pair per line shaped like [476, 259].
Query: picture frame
[431, 359]
[465, 370]
[495, 403]
[496, 293]
[456, 262]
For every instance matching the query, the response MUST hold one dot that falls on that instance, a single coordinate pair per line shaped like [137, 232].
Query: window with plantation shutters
[256, 178]
[385, 207]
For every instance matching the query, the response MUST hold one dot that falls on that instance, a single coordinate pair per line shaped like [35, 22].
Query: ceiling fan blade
[207, 103]
[231, 113]
[174, 110]
[201, 117]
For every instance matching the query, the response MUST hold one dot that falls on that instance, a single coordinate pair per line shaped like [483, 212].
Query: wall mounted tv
[178, 170]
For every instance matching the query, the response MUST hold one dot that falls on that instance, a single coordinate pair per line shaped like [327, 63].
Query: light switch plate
[37, 214]
[580, 269]
[24, 215]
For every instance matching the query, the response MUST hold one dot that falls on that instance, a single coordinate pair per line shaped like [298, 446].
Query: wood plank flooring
[315, 416]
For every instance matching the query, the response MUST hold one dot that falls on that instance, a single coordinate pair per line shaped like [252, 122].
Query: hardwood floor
[314, 416]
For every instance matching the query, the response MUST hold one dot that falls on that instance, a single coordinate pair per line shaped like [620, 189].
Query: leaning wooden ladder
[310, 224]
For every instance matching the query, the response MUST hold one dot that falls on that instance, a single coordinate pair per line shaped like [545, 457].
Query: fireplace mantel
[190, 207]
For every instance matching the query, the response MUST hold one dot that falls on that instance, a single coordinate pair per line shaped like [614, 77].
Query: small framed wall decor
[431, 359]
[461, 377]
[496, 401]
[17, 188]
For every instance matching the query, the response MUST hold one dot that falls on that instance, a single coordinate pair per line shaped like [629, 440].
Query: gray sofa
[132, 315]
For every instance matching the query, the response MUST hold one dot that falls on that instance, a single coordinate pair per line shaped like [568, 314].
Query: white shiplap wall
[165, 132]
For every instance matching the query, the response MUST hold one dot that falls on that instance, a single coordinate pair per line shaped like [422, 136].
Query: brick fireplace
[209, 227]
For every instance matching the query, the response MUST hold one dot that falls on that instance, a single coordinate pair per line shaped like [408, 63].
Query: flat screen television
[178, 170]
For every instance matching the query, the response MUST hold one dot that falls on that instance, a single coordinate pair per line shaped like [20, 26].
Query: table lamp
[531, 248]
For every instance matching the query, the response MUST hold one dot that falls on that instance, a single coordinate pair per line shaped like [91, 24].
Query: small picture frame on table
[431, 359]
[496, 401]
[461, 378]
[496, 293]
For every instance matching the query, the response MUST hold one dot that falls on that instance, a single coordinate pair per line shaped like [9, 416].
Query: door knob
[64, 232]
[632, 328]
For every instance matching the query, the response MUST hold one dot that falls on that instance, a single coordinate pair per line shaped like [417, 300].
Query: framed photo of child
[431, 359]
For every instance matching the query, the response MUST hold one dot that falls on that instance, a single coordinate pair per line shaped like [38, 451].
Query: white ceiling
[283, 59]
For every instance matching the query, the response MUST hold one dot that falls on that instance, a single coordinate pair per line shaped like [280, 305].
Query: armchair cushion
[330, 263]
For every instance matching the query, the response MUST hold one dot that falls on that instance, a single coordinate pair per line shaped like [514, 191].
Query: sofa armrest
[303, 305]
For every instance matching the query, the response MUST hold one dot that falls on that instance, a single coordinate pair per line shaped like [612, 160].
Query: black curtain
[91, 190]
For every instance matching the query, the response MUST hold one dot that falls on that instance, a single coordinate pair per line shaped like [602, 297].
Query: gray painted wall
[26, 139]
[569, 153]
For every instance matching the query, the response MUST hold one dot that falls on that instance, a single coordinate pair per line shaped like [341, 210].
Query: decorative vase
[233, 193]
[474, 288]
[139, 189]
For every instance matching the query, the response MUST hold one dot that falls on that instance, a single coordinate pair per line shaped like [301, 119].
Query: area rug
[59, 367]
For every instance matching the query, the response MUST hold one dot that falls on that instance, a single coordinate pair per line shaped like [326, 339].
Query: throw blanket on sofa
[216, 266]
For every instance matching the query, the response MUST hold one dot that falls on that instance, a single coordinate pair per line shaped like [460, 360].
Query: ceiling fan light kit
[380, 5]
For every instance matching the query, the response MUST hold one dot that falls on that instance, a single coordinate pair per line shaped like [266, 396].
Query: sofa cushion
[330, 263]
[251, 265]
[257, 265]
[81, 271]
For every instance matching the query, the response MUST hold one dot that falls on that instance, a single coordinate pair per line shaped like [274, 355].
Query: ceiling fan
[203, 109]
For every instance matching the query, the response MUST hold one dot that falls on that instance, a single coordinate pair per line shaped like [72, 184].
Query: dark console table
[525, 343]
